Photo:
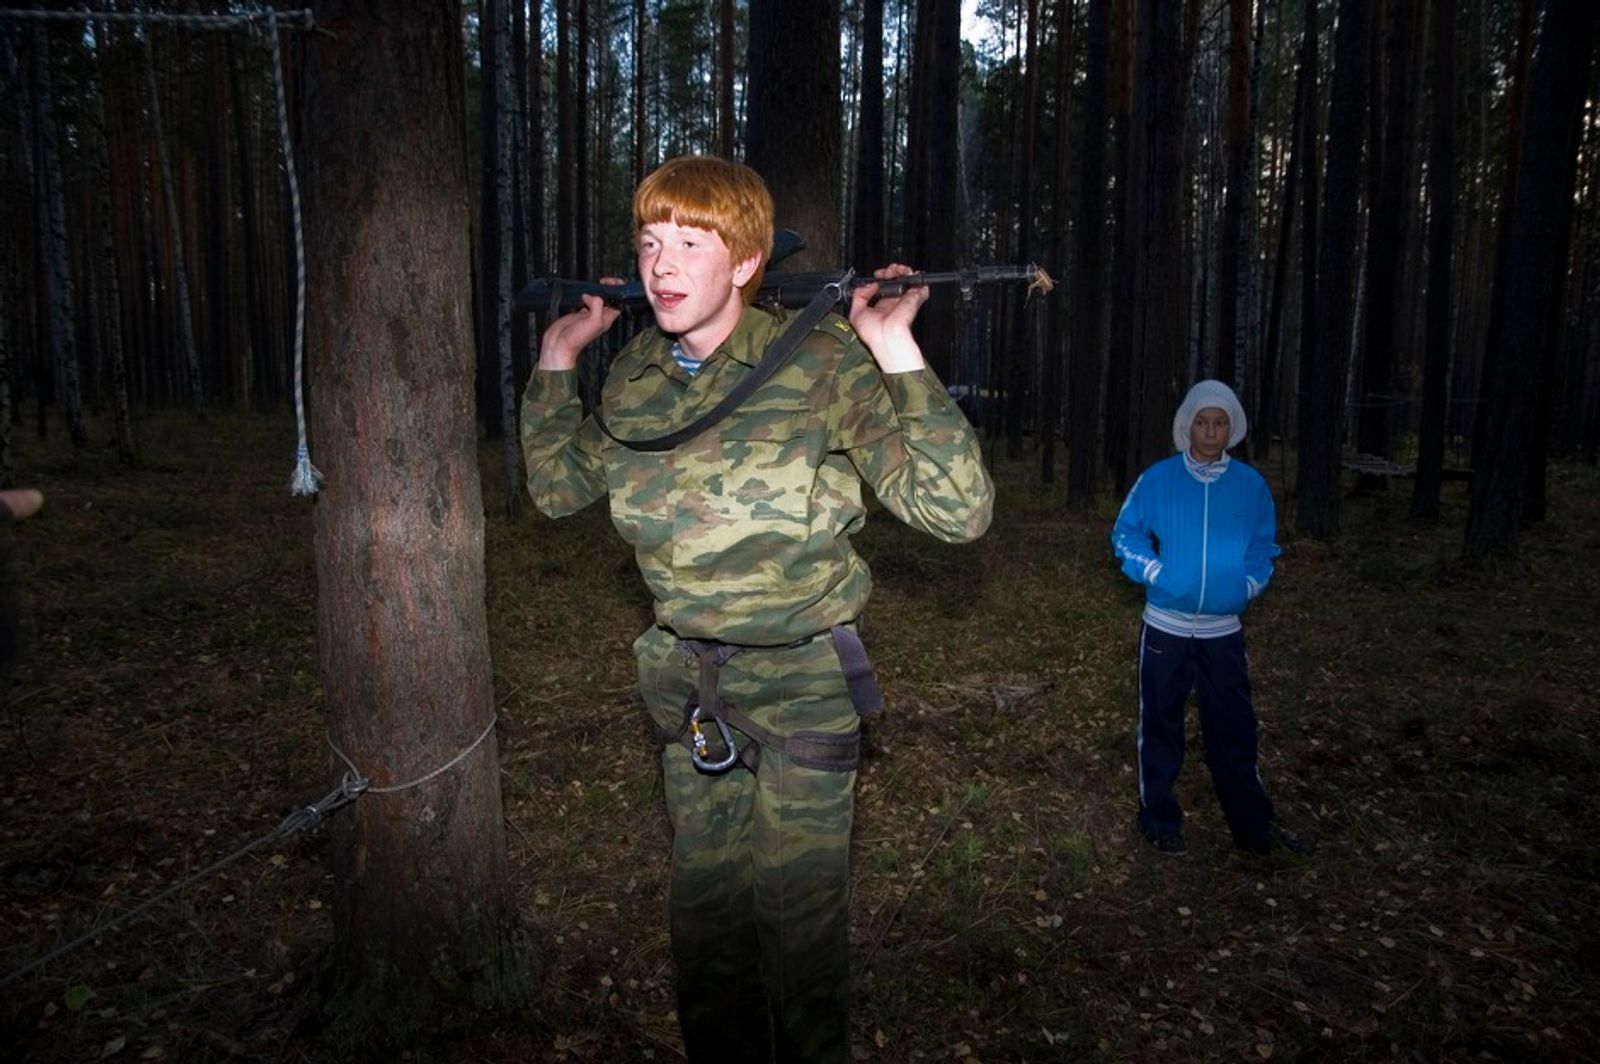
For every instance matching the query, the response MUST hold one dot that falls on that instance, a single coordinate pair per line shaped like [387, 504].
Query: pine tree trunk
[425, 919]
[57, 265]
[111, 314]
[794, 55]
[1088, 274]
[1441, 243]
[1322, 375]
[1268, 409]
[191, 354]
[1119, 376]
[1159, 347]
[504, 115]
[868, 239]
[1529, 283]
[1387, 237]
[725, 129]
[1230, 245]
[566, 143]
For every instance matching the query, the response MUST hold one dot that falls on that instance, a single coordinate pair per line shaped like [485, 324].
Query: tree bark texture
[1230, 246]
[868, 231]
[424, 917]
[1119, 375]
[1088, 274]
[1322, 376]
[180, 270]
[1387, 233]
[1158, 350]
[1532, 275]
[794, 55]
[1441, 243]
[56, 253]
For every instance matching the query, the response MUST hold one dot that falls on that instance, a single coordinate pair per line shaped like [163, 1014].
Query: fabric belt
[809, 749]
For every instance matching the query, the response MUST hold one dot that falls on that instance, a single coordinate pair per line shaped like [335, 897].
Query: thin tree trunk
[425, 920]
[538, 252]
[1119, 376]
[1387, 237]
[725, 138]
[191, 354]
[1441, 242]
[868, 237]
[1158, 351]
[1088, 275]
[566, 143]
[1531, 277]
[57, 271]
[1267, 411]
[256, 349]
[1322, 376]
[112, 312]
[505, 111]
[1230, 245]
[583, 242]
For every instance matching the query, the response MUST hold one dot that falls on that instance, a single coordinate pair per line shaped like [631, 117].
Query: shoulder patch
[838, 326]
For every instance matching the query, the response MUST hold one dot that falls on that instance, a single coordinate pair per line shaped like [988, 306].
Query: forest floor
[1428, 726]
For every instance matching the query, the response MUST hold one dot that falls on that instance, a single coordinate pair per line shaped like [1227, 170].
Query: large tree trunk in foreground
[424, 919]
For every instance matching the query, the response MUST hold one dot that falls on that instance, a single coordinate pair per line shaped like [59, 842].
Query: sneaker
[1172, 845]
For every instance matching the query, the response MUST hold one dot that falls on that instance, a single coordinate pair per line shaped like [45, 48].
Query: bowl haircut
[705, 192]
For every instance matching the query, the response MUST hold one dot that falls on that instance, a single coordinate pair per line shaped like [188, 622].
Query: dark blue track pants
[1170, 666]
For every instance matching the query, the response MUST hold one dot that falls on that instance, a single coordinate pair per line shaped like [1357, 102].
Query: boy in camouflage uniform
[743, 535]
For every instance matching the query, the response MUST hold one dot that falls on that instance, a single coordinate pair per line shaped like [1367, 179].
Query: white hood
[1209, 393]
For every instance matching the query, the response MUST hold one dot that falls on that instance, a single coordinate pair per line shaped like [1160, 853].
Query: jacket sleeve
[912, 445]
[1132, 541]
[561, 448]
[1263, 546]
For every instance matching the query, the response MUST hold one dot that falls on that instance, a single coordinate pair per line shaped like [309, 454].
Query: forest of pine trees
[1378, 220]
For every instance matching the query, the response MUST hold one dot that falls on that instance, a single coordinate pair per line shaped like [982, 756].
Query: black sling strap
[776, 354]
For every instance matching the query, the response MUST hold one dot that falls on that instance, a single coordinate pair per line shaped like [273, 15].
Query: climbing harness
[829, 751]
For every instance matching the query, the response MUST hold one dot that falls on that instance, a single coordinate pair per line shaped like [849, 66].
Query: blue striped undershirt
[688, 365]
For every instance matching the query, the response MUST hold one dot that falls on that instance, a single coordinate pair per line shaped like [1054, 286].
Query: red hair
[705, 192]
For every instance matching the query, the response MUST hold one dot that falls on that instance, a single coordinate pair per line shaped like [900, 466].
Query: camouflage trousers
[760, 861]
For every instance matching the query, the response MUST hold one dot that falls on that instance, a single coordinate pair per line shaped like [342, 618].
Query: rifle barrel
[788, 290]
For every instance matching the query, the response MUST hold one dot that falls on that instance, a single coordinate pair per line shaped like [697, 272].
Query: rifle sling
[776, 354]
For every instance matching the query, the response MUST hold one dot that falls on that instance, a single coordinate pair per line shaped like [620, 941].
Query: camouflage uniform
[743, 536]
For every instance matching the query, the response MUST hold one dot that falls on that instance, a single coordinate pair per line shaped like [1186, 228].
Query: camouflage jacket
[743, 533]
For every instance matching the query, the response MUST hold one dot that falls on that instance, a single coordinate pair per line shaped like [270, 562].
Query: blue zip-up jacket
[1201, 539]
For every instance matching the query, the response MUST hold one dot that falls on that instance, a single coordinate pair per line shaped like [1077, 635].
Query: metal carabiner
[698, 754]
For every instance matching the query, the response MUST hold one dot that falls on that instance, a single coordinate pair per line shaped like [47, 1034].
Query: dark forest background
[1377, 219]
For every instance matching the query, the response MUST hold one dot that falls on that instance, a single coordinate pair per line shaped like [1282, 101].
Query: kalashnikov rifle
[555, 295]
